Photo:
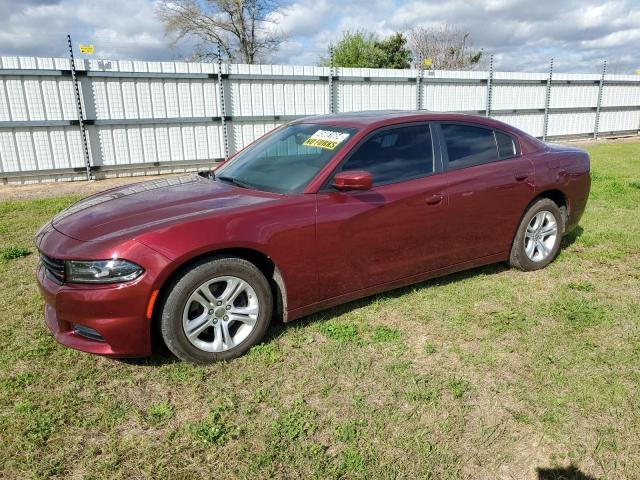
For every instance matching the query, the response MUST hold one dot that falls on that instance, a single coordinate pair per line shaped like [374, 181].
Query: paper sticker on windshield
[326, 139]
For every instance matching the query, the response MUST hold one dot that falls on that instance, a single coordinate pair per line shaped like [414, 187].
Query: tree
[366, 50]
[243, 29]
[448, 47]
[394, 52]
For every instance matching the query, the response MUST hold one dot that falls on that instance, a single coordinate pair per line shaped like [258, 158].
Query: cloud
[523, 35]
[117, 28]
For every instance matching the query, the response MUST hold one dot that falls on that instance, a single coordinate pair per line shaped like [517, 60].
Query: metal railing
[148, 117]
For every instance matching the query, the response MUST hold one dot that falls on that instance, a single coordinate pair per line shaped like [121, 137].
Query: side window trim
[437, 130]
[436, 151]
[516, 145]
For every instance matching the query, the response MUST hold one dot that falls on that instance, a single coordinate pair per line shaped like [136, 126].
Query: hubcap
[220, 314]
[541, 235]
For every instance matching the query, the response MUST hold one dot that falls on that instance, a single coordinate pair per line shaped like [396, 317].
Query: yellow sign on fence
[427, 62]
[87, 49]
[638, 72]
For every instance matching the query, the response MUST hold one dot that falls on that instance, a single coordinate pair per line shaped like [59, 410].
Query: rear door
[394, 230]
[490, 185]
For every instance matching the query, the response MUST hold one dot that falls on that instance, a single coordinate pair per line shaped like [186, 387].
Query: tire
[188, 307]
[545, 248]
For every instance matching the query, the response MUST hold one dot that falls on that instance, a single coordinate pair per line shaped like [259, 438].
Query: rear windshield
[286, 160]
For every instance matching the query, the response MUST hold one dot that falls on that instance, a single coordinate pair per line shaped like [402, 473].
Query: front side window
[394, 155]
[468, 145]
[286, 160]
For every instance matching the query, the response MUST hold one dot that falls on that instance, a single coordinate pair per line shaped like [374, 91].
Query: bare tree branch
[448, 47]
[244, 29]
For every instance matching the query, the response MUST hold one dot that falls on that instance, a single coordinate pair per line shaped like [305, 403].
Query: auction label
[326, 139]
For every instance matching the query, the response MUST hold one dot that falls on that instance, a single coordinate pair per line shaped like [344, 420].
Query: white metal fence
[145, 117]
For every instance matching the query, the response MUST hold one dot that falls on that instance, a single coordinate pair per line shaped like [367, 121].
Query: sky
[522, 35]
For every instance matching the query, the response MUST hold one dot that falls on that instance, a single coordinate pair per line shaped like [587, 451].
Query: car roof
[381, 117]
[370, 120]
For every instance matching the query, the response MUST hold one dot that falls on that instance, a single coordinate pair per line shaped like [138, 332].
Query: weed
[458, 387]
[581, 286]
[343, 332]
[295, 422]
[429, 348]
[266, 353]
[218, 428]
[581, 313]
[383, 334]
[160, 413]
[348, 432]
[11, 253]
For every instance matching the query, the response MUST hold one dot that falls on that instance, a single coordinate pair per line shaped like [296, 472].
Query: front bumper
[117, 312]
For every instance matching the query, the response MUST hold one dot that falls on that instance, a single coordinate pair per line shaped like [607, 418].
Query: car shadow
[570, 238]
[563, 473]
[160, 356]
[324, 315]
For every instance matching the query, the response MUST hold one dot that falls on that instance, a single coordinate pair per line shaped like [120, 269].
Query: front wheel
[538, 238]
[216, 310]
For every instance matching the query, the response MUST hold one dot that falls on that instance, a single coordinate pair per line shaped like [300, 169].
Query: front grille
[53, 268]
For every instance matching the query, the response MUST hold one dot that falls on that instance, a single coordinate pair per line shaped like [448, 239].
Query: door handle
[520, 177]
[435, 199]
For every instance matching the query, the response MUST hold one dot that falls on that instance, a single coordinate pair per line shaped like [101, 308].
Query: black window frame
[448, 166]
[437, 152]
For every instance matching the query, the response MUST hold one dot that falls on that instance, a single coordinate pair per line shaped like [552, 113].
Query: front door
[394, 230]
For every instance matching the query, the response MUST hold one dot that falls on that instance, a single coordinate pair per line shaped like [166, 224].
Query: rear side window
[394, 155]
[468, 145]
[506, 145]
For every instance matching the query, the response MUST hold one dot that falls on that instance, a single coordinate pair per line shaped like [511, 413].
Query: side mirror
[352, 180]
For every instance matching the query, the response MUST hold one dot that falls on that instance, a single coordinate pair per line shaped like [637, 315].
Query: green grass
[491, 373]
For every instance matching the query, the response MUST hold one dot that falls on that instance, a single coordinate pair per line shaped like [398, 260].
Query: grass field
[491, 373]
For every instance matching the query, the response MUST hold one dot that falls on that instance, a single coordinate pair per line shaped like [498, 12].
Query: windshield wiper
[235, 181]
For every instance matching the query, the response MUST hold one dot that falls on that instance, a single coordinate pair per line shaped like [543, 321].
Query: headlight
[101, 271]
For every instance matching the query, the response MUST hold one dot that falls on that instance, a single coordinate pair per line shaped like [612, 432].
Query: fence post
[223, 110]
[600, 88]
[83, 131]
[547, 102]
[489, 87]
[332, 107]
[419, 85]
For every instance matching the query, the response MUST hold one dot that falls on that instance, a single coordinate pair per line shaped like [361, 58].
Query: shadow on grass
[160, 356]
[566, 473]
[327, 314]
[571, 237]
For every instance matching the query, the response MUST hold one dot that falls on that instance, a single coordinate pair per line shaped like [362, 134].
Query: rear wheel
[216, 311]
[538, 238]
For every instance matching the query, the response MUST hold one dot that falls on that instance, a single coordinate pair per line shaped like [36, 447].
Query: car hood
[136, 208]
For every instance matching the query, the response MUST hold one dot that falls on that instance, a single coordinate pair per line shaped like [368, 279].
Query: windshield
[286, 160]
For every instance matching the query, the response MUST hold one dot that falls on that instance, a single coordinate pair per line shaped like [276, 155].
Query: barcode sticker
[326, 139]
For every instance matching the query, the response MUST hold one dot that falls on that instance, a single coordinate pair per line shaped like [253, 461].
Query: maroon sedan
[318, 212]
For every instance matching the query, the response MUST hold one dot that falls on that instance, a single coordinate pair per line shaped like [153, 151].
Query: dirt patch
[56, 189]
[587, 141]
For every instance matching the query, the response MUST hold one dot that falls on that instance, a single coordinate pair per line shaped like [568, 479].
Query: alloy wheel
[540, 236]
[220, 314]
